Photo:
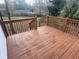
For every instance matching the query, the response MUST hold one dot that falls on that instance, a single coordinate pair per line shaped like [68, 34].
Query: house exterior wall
[3, 49]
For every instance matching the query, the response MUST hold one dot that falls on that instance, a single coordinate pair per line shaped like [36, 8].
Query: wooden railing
[57, 22]
[18, 26]
[72, 27]
[43, 21]
[65, 24]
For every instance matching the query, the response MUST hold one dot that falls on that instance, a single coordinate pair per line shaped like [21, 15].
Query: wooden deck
[44, 43]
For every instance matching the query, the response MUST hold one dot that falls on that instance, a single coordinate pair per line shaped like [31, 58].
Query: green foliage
[70, 8]
[76, 15]
[56, 7]
[65, 8]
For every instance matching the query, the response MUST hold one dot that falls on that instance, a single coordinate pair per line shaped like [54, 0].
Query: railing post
[4, 29]
[66, 23]
[36, 21]
[3, 26]
[47, 19]
[33, 23]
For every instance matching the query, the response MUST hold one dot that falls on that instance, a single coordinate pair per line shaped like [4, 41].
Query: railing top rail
[68, 19]
[19, 20]
[57, 17]
[73, 21]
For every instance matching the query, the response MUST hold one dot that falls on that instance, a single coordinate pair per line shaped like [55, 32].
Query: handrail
[72, 21]
[19, 20]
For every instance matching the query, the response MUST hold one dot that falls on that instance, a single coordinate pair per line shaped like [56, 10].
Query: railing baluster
[24, 25]
[11, 27]
[8, 28]
[17, 27]
[21, 26]
[22, 29]
[14, 27]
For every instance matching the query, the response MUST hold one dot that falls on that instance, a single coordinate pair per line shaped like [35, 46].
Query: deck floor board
[43, 43]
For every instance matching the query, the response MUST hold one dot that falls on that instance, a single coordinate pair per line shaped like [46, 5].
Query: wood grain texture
[43, 43]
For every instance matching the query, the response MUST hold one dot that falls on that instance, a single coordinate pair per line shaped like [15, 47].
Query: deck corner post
[47, 19]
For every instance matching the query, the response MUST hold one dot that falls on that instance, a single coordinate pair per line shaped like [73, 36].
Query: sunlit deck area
[44, 43]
